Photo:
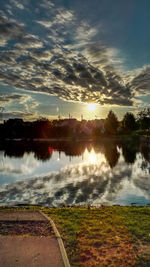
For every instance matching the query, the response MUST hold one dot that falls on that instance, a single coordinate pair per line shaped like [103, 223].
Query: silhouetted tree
[144, 149]
[144, 119]
[144, 113]
[129, 153]
[111, 154]
[129, 122]
[111, 123]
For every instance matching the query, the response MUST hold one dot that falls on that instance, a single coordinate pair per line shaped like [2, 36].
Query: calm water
[58, 173]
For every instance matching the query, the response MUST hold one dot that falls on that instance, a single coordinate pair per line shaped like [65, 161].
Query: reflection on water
[66, 173]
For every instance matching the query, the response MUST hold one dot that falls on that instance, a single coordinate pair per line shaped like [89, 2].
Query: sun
[91, 107]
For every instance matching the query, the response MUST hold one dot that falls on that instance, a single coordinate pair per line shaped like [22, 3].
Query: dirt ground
[24, 223]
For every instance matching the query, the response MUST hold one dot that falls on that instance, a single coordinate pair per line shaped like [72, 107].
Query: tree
[111, 154]
[144, 119]
[111, 123]
[144, 113]
[129, 122]
[129, 150]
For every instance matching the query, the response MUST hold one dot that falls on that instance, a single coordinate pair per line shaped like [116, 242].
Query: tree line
[44, 128]
[128, 124]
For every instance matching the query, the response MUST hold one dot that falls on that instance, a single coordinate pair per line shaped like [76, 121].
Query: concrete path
[29, 251]
[21, 216]
[26, 250]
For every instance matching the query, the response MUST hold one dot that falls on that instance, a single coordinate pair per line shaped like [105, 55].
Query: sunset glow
[91, 107]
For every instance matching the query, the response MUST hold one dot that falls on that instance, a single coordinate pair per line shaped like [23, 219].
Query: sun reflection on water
[92, 158]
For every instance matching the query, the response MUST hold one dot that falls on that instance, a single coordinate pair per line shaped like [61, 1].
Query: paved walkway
[26, 250]
[21, 216]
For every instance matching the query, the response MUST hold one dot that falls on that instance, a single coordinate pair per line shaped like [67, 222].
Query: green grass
[137, 220]
[105, 236]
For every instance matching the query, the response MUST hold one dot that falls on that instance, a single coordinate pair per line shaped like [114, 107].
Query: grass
[105, 236]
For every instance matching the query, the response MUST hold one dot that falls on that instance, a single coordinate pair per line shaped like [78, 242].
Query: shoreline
[74, 139]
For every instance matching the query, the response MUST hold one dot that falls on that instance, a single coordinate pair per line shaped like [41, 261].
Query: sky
[58, 56]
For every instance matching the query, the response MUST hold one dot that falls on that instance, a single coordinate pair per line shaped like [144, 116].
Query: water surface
[66, 173]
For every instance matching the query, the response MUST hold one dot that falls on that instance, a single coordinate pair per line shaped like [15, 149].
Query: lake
[60, 173]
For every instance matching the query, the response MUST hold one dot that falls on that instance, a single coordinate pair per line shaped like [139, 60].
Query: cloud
[9, 57]
[17, 4]
[84, 34]
[67, 59]
[72, 79]
[39, 55]
[61, 17]
[9, 10]
[10, 30]
[29, 41]
[20, 115]
[46, 24]
[141, 82]
[26, 103]
[14, 97]
[46, 4]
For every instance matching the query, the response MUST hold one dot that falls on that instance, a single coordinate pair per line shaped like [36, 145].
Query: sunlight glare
[92, 158]
[91, 107]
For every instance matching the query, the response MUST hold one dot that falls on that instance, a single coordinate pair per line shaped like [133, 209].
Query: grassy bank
[105, 236]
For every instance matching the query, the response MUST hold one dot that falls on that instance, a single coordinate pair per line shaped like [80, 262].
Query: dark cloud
[9, 57]
[40, 55]
[10, 30]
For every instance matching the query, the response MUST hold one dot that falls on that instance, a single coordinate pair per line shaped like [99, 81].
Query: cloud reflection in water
[92, 182]
[107, 172]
